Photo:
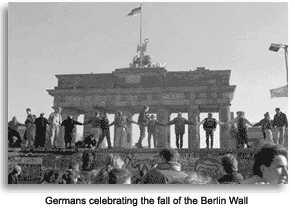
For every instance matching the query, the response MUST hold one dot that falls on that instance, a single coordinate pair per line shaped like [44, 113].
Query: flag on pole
[279, 92]
[134, 12]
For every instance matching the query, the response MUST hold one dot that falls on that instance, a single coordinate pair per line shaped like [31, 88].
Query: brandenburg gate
[165, 92]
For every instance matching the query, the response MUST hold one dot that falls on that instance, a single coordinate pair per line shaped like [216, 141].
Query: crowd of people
[36, 129]
[270, 167]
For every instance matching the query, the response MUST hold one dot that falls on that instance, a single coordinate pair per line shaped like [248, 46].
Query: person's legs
[268, 135]
[177, 140]
[108, 136]
[264, 134]
[142, 135]
[149, 139]
[282, 136]
[101, 138]
[276, 135]
[181, 140]
[155, 140]
[207, 139]
[211, 134]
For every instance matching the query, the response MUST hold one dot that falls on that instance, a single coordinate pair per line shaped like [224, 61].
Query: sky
[46, 39]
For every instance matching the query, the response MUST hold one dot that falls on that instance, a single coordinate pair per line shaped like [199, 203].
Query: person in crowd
[230, 167]
[266, 127]
[241, 124]
[88, 167]
[69, 125]
[12, 132]
[71, 177]
[13, 176]
[166, 172]
[152, 123]
[55, 120]
[142, 170]
[95, 126]
[41, 127]
[51, 176]
[30, 129]
[280, 123]
[105, 130]
[270, 166]
[112, 161]
[179, 123]
[121, 122]
[120, 176]
[196, 178]
[142, 122]
[209, 125]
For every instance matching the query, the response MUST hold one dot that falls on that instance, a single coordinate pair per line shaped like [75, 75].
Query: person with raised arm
[142, 122]
[152, 124]
[209, 125]
[95, 126]
[241, 124]
[266, 127]
[179, 123]
[120, 124]
[69, 125]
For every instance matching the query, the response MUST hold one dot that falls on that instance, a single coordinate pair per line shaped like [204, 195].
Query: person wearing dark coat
[69, 125]
[179, 123]
[13, 176]
[167, 172]
[105, 130]
[40, 138]
[13, 133]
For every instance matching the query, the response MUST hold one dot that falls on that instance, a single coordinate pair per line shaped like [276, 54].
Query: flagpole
[140, 41]
[286, 59]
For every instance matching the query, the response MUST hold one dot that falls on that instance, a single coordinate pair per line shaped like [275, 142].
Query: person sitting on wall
[179, 123]
[209, 125]
[69, 125]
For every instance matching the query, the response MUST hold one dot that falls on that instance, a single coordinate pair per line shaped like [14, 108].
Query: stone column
[163, 133]
[226, 141]
[75, 138]
[129, 114]
[87, 128]
[194, 130]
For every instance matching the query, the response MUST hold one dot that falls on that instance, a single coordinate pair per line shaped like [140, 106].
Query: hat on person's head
[266, 114]
[28, 109]
[42, 114]
[277, 109]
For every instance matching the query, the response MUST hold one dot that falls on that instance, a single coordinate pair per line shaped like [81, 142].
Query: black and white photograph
[143, 93]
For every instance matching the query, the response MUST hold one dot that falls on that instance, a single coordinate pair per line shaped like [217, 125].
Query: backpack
[209, 124]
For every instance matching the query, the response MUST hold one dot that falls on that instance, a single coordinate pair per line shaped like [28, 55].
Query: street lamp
[276, 47]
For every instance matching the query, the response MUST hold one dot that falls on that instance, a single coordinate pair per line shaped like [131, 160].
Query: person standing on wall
[142, 122]
[280, 123]
[179, 123]
[41, 123]
[95, 126]
[209, 125]
[55, 120]
[105, 130]
[266, 127]
[69, 125]
[242, 136]
[152, 124]
[30, 129]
